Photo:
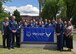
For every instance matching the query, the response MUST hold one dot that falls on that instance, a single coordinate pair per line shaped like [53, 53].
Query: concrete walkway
[74, 46]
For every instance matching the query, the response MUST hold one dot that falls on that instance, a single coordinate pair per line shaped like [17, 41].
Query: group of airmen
[11, 30]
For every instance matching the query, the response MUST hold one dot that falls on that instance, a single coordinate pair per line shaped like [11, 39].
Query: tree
[71, 10]
[1, 9]
[62, 10]
[3, 14]
[70, 5]
[51, 8]
[17, 14]
[74, 16]
[3, 1]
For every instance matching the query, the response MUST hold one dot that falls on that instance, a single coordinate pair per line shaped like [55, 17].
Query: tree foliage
[17, 14]
[70, 5]
[3, 14]
[65, 8]
[71, 10]
[50, 9]
[1, 8]
[3, 1]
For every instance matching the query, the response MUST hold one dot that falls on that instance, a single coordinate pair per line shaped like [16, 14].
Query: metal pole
[41, 2]
[39, 8]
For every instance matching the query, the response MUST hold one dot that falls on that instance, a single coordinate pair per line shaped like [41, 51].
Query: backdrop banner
[38, 35]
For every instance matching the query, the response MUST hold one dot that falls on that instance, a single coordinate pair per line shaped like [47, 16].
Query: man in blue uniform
[49, 23]
[22, 23]
[59, 33]
[31, 24]
[5, 32]
[54, 23]
[46, 23]
[13, 30]
[42, 23]
[36, 24]
[18, 36]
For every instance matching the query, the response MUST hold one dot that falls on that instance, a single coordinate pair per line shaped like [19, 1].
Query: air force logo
[28, 34]
[38, 34]
[47, 34]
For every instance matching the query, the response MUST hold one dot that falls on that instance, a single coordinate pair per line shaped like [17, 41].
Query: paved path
[74, 46]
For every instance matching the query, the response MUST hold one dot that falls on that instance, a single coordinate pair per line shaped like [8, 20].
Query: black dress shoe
[61, 49]
[9, 48]
[12, 47]
[69, 49]
[4, 47]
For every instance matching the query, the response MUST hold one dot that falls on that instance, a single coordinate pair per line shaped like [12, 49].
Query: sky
[25, 7]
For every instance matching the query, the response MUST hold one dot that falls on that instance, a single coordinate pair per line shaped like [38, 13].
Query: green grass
[74, 37]
[30, 50]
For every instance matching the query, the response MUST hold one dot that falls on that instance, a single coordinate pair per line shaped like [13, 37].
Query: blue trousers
[9, 41]
[4, 40]
[18, 40]
[60, 42]
[13, 39]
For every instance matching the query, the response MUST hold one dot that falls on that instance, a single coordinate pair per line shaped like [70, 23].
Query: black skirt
[64, 40]
[69, 42]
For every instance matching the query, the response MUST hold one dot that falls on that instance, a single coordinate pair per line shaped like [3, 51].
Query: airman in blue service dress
[5, 31]
[13, 30]
[59, 33]
[18, 36]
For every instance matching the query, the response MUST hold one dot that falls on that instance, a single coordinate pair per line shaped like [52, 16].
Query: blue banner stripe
[38, 35]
